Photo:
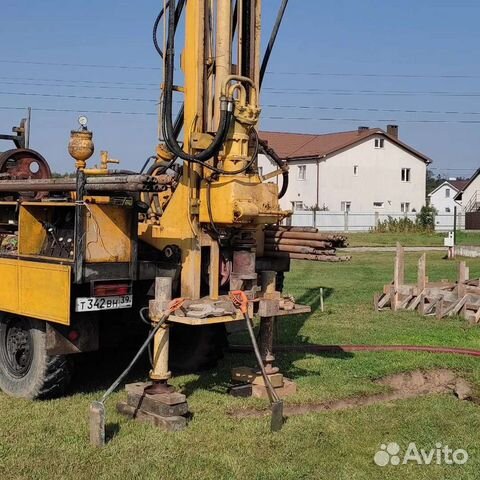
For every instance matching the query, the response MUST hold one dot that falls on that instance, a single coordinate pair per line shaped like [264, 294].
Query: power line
[84, 97]
[356, 109]
[334, 92]
[107, 87]
[82, 65]
[76, 80]
[326, 119]
[267, 105]
[66, 110]
[296, 73]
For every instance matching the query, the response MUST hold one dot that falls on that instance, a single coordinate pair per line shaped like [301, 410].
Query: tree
[433, 181]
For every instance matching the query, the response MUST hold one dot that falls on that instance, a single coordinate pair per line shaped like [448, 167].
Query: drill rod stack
[118, 183]
[304, 243]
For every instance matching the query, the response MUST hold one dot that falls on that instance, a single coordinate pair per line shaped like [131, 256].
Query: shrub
[426, 218]
[424, 222]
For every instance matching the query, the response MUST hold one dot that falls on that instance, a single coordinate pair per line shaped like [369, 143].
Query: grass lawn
[373, 239]
[49, 440]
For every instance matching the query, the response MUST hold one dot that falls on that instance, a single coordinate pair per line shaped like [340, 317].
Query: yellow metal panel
[108, 234]
[31, 231]
[240, 200]
[9, 285]
[34, 289]
[44, 291]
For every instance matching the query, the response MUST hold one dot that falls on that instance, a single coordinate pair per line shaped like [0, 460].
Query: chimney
[362, 129]
[392, 130]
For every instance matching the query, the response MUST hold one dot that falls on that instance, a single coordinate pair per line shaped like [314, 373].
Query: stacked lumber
[304, 243]
[440, 299]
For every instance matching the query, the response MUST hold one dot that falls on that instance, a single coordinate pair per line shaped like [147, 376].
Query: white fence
[362, 222]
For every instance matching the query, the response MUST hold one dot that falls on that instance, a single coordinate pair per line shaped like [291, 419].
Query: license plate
[93, 304]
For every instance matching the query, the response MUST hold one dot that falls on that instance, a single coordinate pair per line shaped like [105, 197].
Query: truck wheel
[25, 368]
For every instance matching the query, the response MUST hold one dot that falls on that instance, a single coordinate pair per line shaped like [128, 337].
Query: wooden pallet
[440, 299]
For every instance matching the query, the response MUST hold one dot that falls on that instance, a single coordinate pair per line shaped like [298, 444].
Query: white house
[469, 196]
[443, 197]
[366, 170]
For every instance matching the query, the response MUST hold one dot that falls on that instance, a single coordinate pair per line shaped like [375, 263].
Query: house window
[355, 170]
[298, 206]
[447, 209]
[346, 206]
[378, 204]
[302, 172]
[379, 142]
[406, 175]
[405, 207]
[260, 171]
[447, 193]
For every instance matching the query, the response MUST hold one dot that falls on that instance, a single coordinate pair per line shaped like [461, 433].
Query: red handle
[240, 300]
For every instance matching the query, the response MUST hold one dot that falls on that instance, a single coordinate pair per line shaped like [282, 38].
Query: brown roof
[458, 184]
[291, 146]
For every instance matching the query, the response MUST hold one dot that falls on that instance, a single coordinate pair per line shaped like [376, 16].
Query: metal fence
[362, 222]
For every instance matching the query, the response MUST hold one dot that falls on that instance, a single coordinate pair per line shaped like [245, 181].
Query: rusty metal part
[278, 228]
[244, 264]
[24, 164]
[298, 249]
[81, 147]
[296, 242]
[305, 256]
[305, 236]
[225, 270]
[131, 183]
[315, 348]
[158, 388]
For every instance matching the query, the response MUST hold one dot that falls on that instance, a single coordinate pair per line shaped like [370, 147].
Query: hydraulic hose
[167, 125]
[315, 348]
[272, 40]
[180, 115]
[271, 155]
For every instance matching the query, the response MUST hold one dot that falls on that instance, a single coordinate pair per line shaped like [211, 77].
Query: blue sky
[337, 64]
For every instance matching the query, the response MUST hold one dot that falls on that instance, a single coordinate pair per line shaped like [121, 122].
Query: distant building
[443, 197]
[366, 170]
[470, 200]
[469, 196]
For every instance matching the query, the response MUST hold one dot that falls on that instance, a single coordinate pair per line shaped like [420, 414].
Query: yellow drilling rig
[81, 257]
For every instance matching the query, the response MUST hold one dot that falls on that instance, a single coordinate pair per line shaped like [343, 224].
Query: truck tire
[25, 368]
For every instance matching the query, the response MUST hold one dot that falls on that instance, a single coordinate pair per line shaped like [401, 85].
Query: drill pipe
[298, 249]
[28, 186]
[319, 244]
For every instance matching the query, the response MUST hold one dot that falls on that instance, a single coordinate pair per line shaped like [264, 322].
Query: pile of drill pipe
[107, 183]
[304, 243]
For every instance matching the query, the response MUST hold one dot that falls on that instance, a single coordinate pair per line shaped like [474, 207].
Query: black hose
[178, 14]
[271, 155]
[147, 161]
[180, 115]
[167, 126]
[271, 42]
[283, 191]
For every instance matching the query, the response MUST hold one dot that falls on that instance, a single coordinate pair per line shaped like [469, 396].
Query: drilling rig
[95, 250]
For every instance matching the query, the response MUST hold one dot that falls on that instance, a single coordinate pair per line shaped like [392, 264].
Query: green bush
[424, 222]
[426, 218]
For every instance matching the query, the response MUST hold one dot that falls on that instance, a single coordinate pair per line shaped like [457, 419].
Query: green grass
[49, 440]
[414, 239]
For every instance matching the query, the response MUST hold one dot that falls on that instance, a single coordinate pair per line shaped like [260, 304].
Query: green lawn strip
[413, 239]
[49, 440]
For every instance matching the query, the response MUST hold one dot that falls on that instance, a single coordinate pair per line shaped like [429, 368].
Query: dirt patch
[403, 386]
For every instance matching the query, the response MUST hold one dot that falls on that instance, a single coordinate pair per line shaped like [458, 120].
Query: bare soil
[402, 386]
